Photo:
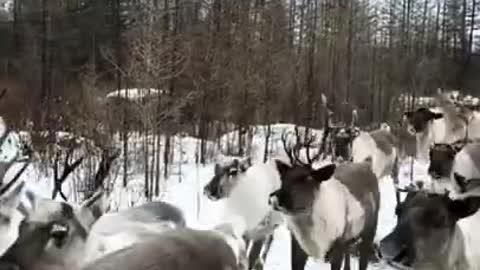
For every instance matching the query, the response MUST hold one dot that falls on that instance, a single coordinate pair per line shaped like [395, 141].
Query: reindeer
[245, 189]
[182, 249]
[53, 234]
[433, 232]
[59, 235]
[444, 124]
[114, 231]
[380, 146]
[328, 209]
[454, 167]
[341, 138]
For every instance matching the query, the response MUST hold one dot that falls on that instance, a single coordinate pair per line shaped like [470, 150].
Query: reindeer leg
[254, 254]
[366, 250]
[346, 265]
[336, 257]
[266, 248]
[299, 257]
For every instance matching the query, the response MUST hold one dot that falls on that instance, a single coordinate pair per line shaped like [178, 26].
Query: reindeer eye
[4, 219]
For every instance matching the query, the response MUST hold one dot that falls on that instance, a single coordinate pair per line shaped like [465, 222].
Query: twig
[2, 94]
[14, 179]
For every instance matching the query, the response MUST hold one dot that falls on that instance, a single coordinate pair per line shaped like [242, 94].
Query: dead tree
[108, 157]
[68, 168]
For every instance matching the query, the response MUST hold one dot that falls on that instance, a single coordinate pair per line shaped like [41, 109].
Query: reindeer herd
[329, 201]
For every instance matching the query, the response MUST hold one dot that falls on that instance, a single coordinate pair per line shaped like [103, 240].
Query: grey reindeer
[181, 249]
[328, 210]
[434, 232]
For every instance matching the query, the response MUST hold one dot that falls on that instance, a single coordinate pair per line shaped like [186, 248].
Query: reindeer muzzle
[274, 202]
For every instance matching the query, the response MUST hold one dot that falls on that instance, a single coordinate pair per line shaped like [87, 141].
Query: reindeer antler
[307, 145]
[292, 152]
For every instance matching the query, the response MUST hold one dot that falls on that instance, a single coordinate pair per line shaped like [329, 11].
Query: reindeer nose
[411, 130]
[273, 201]
[206, 191]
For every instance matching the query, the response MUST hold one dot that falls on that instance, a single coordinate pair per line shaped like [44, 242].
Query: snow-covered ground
[202, 213]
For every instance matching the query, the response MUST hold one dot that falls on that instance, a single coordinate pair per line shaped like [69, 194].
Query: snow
[135, 94]
[184, 189]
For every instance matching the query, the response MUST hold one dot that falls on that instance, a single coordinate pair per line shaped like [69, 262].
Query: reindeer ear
[324, 173]
[464, 208]
[457, 147]
[282, 167]
[437, 115]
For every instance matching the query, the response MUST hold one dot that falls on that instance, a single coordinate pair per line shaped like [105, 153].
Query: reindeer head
[226, 176]
[464, 185]
[299, 186]
[53, 234]
[442, 157]
[342, 140]
[418, 120]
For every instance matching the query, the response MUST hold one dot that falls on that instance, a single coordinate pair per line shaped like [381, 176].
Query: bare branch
[15, 178]
[327, 127]
[68, 168]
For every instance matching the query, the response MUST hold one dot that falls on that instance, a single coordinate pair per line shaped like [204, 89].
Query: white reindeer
[444, 124]
[245, 189]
